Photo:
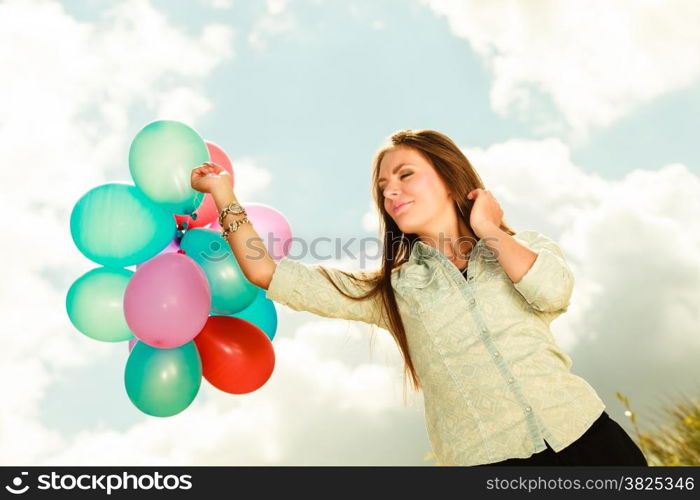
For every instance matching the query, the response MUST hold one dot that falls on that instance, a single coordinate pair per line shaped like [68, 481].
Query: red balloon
[207, 211]
[237, 356]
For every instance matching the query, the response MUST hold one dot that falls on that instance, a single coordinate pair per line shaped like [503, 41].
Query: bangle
[233, 227]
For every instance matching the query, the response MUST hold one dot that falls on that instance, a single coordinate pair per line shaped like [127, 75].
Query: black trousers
[604, 443]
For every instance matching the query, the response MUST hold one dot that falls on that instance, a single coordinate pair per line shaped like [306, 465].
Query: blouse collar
[423, 251]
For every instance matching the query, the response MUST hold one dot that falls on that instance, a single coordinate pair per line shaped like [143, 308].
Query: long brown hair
[457, 172]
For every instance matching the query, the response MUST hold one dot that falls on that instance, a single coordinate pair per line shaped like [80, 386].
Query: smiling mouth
[402, 206]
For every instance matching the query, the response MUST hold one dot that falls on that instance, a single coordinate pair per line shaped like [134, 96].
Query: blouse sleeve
[303, 287]
[548, 284]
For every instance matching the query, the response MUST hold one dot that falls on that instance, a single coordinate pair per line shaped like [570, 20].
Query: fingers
[202, 170]
[476, 192]
[212, 166]
[209, 167]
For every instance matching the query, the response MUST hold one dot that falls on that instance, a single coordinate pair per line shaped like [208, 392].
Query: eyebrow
[393, 171]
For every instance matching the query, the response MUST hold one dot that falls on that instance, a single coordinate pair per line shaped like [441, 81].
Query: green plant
[429, 455]
[676, 442]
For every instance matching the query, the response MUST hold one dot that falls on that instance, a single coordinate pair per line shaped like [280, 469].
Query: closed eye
[381, 187]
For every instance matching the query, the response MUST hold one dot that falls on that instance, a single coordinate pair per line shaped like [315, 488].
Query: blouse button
[484, 329]
[471, 278]
[472, 302]
[511, 380]
[496, 353]
[528, 409]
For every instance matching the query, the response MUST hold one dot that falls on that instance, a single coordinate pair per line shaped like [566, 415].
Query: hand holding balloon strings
[209, 177]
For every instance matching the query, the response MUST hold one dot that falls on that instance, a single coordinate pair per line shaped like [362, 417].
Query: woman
[469, 302]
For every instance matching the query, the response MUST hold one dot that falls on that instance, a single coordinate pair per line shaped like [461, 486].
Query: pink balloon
[271, 225]
[173, 246]
[167, 301]
[219, 156]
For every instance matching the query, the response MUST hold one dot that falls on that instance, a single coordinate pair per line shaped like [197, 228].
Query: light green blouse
[495, 383]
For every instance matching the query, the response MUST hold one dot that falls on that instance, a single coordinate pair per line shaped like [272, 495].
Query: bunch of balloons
[187, 310]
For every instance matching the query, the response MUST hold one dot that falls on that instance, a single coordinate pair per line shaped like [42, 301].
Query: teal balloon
[161, 159]
[163, 382]
[115, 225]
[94, 303]
[262, 313]
[230, 290]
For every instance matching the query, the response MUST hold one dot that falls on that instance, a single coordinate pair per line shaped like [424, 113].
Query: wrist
[223, 194]
[488, 230]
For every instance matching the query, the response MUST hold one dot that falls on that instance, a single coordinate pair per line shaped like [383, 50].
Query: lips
[400, 205]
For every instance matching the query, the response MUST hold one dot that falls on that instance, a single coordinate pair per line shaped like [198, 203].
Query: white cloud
[279, 20]
[276, 6]
[91, 76]
[597, 61]
[220, 4]
[370, 219]
[249, 178]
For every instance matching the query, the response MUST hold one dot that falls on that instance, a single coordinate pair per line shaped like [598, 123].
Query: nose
[390, 192]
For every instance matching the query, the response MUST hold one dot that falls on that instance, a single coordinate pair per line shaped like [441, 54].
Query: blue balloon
[163, 382]
[161, 159]
[262, 313]
[230, 290]
[117, 226]
[95, 304]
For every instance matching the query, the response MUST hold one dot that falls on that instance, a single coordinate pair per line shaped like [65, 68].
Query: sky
[582, 118]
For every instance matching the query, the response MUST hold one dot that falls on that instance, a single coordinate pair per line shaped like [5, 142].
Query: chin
[407, 228]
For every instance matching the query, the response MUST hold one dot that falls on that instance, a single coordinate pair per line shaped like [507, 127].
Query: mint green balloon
[161, 159]
[230, 289]
[262, 313]
[117, 226]
[94, 303]
[163, 382]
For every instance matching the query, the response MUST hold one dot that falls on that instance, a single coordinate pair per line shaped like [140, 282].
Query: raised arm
[305, 287]
[246, 244]
[299, 286]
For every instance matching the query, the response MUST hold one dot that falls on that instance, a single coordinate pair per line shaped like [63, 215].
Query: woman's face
[414, 194]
